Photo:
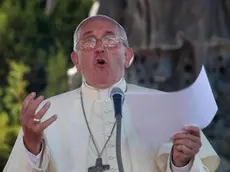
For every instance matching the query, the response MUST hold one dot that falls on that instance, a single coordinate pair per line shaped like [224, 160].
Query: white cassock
[67, 145]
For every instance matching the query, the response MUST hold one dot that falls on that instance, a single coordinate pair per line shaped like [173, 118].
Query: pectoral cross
[99, 167]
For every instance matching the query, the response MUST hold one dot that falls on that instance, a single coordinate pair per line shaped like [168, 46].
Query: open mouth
[101, 62]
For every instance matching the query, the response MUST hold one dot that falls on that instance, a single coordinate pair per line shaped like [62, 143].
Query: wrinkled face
[101, 54]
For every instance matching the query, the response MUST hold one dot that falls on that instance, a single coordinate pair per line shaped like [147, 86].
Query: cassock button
[110, 145]
[111, 158]
[113, 170]
[109, 122]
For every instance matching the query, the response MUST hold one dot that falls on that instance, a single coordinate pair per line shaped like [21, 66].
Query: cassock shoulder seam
[137, 88]
[67, 94]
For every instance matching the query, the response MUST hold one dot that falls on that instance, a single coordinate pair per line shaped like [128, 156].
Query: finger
[178, 153]
[47, 123]
[175, 150]
[43, 110]
[187, 151]
[180, 156]
[27, 101]
[178, 134]
[188, 143]
[192, 129]
[34, 105]
[186, 136]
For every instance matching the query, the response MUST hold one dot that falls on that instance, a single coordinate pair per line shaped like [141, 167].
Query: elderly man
[73, 132]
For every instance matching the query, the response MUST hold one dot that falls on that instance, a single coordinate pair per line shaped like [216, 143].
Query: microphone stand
[117, 96]
[118, 143]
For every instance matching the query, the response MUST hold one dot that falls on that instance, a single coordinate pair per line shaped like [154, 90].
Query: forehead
[98, 26]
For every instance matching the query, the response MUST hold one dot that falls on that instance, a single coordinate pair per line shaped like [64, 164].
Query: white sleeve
[186, 168]
[35, 159]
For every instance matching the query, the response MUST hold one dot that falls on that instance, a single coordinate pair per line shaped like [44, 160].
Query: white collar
[101, 94]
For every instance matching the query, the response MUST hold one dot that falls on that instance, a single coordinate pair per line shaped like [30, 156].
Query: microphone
[117, 95]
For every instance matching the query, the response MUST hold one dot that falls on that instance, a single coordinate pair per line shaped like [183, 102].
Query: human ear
[129, 56]
[75, 60]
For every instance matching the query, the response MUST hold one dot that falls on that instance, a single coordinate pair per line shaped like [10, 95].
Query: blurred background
[171, 41]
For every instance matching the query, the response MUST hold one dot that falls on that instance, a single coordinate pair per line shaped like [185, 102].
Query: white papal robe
[67, 145]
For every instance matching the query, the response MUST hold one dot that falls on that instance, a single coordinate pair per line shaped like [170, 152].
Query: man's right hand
[33, 130]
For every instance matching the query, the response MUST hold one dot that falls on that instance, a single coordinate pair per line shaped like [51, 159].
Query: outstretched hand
[33, 130]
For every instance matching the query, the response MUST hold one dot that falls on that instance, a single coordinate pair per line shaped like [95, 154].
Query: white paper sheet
[157, 116]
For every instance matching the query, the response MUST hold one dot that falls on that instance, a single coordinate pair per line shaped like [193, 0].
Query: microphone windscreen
[116, 90]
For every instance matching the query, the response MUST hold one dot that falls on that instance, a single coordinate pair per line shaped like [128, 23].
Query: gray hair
[77, 35]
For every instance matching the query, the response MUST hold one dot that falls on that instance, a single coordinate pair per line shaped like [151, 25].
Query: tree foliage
[12, 96]
[34, 56]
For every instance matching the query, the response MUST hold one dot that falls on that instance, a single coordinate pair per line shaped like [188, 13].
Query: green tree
[56, 74]
[28, 35]
[34, 56]
[12, 95]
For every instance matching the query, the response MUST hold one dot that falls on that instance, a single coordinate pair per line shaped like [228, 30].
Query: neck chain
[90, 132]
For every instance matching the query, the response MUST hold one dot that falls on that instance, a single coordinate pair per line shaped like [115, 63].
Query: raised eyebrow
[109, 33]
[86, 33]
[106, 33]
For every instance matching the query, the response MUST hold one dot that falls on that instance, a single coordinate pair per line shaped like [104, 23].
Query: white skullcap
[92, 17]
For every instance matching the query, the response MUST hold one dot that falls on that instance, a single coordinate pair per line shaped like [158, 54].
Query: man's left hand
[186, 144]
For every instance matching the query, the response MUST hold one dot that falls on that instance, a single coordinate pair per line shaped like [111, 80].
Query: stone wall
[177, 70]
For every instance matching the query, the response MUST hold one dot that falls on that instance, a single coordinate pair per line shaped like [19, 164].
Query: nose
[99, 48]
